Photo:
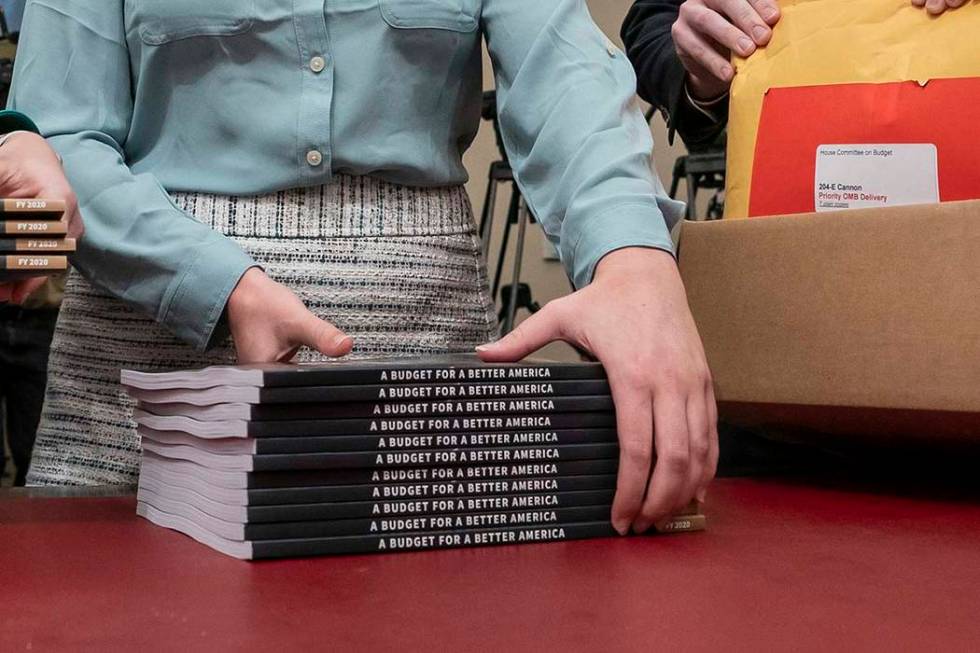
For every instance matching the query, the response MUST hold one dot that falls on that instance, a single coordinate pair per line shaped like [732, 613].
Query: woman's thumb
[530, 335]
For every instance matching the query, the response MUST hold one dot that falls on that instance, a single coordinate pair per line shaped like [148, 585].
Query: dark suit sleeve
[660, 74]
[14, 121]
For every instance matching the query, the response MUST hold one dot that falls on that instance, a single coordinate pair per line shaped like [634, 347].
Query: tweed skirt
[399, 269]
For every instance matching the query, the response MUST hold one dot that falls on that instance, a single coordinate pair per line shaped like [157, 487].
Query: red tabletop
[783, 566]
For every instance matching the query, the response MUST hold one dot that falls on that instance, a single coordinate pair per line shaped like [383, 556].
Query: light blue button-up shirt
[254, 96]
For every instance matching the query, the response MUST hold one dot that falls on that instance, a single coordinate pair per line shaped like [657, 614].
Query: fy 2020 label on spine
[449, 539]
[30, 263]
[37, 245]
[34, 228]
[39, 209]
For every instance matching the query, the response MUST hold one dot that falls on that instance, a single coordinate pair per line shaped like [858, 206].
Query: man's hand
[708, 31]
[635, 319]
[29, 168]
[269, 323]
[936, 7]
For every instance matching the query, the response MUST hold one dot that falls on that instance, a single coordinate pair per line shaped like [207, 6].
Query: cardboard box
[851, 323]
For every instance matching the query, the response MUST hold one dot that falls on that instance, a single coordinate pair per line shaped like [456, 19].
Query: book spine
[447, 490]
[435, 458]
[435, 374]
[430, 506]
[431, 425]
[32, 263]
[33, 227]
[390, 509]
[683, 524]
[430, 441]
[13, 208]
[385, 524]
[424, 523]
[427, 541]
[415, 392]
[263, 480]
[516, 406]
[37, 245]
[378, 443]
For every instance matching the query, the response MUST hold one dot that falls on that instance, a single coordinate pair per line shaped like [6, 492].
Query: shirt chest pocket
[162, 21]
[453, 15]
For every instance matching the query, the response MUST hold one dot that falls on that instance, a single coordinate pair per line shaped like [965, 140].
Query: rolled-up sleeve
[72, 76]
[578, 143]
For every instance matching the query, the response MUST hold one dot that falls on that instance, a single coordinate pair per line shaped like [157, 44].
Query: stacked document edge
[348, 477]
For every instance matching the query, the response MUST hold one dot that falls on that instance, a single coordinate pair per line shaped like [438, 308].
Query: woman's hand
[269, 323]
[635, 319]
[29, 168]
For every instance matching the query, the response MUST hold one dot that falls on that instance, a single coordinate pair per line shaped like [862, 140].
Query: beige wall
[547, 279]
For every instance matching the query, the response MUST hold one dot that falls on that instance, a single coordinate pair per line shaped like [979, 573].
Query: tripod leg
[692, 197]
[486, 221]
[522, 220]
[512, 216]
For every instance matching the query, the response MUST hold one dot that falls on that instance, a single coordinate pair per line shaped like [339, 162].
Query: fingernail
[745, 45]
[622, 527]
[771, 12]
[727, 72]
[482, 348]
[641, 527]
[760, 33]
[702, 493]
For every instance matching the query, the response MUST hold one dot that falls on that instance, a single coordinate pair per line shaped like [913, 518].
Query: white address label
[866, 176]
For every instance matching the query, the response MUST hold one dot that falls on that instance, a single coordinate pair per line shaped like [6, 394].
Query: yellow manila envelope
[875, 87]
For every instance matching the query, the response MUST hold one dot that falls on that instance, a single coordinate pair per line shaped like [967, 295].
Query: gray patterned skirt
[399, 269]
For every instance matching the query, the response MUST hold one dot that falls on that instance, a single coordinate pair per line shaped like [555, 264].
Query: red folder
[795, 121]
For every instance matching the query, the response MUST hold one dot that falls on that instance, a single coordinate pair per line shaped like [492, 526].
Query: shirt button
[314, 158]
[317, 64]
[610, 49]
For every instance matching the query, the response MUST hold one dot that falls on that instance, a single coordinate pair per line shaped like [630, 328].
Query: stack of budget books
[380, 455]
[33, 238]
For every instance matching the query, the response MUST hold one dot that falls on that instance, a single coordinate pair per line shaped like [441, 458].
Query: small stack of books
[386, 455]
[33, 240]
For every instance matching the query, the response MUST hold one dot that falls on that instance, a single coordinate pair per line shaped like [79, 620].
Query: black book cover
[425, 541]
[341, 443]
[160, 493]
[369, 426]
[166, 474]
[364, 476]
[266, 549]
[386, 460]
[373, 393]
[427, 523]
[449, 368]
[376, 477]
[335, 410]
[381, 525]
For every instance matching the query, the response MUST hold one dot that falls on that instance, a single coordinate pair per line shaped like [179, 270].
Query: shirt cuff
[15, 121]
[196, 307]
[705, 107]
[625, 225]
